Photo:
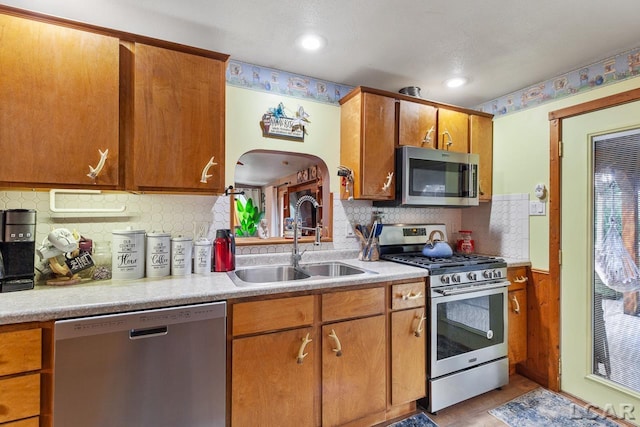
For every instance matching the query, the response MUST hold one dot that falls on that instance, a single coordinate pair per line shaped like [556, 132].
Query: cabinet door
[367, 144]
[269, 386]
[517, 326]
[481, 143]
[354, 378]
[417, 124]
[453, 131]
[60, 92]
[178, 121]
[408, 367]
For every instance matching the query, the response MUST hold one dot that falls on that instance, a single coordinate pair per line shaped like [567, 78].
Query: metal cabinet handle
[516, 308]
[427, 137]
[387, 183]
[410, 295]
[301, 354]
[420, 328]
[338, 349]
[447, 134]
[94, 172]
[204, 177]
[519, 279]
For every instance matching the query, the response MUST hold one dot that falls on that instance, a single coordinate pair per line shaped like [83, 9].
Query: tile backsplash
[499, 228]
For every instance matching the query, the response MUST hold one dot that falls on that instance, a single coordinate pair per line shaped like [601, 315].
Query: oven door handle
[469, 289]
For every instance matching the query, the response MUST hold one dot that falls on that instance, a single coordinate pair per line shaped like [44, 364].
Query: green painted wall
[521, 157]
[245, 108]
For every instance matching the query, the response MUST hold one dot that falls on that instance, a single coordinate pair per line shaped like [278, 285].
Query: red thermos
[224, 251]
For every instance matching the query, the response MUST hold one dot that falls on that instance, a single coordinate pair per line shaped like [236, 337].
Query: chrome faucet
[296, 256]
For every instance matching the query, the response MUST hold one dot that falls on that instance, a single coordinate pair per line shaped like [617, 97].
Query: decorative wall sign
[276, 124]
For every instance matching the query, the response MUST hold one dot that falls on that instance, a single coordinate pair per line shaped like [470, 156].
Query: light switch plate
[537, 208]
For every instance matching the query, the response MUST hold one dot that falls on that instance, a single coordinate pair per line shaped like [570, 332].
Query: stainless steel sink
[331, 269]
[286, 273]
[278, 273]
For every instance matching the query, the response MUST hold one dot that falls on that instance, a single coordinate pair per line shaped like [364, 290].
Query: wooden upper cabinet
[178, 121]
[453, 130]
[60, 104]
[367, 144]
[417, 124]
[481, 143]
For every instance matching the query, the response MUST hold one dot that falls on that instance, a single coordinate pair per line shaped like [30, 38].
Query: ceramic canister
[202, 256]
[181, 250]
[158, 254]
[127, 249]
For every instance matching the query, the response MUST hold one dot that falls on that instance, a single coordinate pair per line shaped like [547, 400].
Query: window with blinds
[616, 278]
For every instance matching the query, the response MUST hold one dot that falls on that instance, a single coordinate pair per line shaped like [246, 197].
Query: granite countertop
[117, 296]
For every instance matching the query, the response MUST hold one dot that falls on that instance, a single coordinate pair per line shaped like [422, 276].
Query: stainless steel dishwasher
[155, 368]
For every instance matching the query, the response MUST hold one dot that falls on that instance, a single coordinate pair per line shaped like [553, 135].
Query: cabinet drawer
[518, 276]
[407, 295]
[19, 397]
[20, 351]
[349, 304]
[31, 422]
[261, 316]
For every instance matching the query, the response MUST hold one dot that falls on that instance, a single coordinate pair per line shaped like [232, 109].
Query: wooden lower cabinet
[517, 307]
[269, 387]
[323, 358]
[30, 422]
[353, 370]
[408, 366]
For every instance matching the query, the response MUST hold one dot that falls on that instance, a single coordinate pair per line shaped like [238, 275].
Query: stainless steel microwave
[427, 177]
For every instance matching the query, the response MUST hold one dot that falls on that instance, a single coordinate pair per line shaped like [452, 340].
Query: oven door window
[430, 178]
[469, 323]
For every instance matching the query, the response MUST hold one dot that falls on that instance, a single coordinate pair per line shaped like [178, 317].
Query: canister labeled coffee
[158, 254]
[181, 250]
[127, 250]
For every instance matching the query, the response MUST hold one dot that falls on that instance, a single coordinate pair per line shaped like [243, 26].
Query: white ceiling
[502, 46]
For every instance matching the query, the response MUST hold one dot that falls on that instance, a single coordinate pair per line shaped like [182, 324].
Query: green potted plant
[249, 217]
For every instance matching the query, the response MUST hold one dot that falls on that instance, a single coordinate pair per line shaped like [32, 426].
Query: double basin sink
[286, 273]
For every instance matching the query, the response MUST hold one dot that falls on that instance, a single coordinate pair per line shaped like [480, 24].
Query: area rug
[541, 407]
[417, 420]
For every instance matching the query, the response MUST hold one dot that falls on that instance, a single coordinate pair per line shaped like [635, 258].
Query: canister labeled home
[202, 256]
[158, 254]
[181, 250]
[127, 250]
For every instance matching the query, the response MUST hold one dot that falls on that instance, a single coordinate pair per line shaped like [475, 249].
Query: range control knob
[472, 276]
[455, 278]
[487, 274]
[497, 273]
[444, 279]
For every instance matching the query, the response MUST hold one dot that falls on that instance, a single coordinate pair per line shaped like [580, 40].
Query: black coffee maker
[17, 249]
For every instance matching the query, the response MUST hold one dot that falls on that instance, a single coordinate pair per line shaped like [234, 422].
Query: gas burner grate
[458, 262]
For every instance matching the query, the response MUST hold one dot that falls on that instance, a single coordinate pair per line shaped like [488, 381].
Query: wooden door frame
[552, 309]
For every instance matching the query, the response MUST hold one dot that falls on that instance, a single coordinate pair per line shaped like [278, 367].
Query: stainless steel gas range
[467, 342]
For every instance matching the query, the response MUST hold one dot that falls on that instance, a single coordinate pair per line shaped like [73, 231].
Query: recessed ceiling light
[456, 82]
[311, 42]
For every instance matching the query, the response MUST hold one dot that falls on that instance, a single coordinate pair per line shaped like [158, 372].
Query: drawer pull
[338, 347]
[420, 328]
[516, 304]
[410, 295]
[301, 354]
[520, 279]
